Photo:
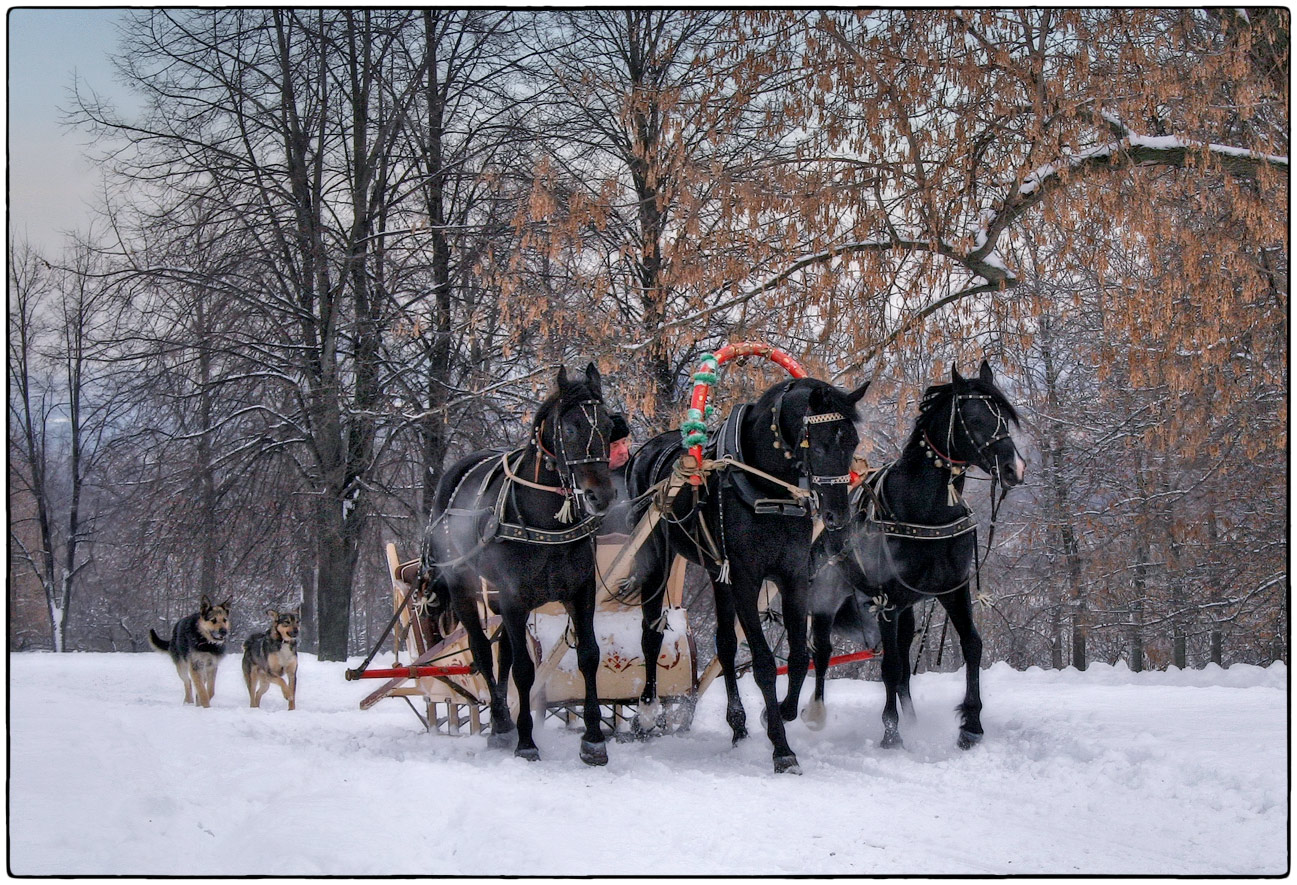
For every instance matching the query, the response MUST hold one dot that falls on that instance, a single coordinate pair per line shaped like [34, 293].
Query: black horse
[743, 529]
[511, 519]
[913, 538]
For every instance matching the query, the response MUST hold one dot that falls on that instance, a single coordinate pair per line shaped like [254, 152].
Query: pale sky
[50, 184]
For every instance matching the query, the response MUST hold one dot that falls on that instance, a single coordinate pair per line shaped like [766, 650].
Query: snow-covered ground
[1101, 772]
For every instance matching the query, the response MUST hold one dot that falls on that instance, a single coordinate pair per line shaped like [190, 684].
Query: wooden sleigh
[439, 664]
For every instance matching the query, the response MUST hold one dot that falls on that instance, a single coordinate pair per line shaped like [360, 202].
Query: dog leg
[211, 684]
[263, 684]
[199, 680]
[283, 686]
[183, 670]
[292, 686]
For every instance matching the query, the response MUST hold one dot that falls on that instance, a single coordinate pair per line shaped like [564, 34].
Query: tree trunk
[336, 565]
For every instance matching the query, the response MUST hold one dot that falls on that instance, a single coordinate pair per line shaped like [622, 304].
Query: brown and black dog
[196, 646]
[271, 656]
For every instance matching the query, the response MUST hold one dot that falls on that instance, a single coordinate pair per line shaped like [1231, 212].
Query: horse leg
[480, 646]
[763, 671]
[894, 663]
[594, 750]
[904, 639]
[524, 676]
[822, 646]
[959, 605]
[652, 589]
[727, 646]
[799, 657]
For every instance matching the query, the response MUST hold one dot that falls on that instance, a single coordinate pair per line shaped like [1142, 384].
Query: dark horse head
[573, 430]
[808, 425]
[966, 422]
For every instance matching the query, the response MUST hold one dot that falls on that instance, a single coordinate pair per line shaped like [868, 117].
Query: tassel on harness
[723, 576]
[564, 514]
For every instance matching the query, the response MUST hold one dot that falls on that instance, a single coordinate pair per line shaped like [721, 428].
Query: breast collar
[868, 499]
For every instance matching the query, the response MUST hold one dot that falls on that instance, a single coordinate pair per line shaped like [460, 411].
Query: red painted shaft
[415, 672]
[840, 659]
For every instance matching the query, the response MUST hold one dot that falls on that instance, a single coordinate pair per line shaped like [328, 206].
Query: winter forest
[338, 248]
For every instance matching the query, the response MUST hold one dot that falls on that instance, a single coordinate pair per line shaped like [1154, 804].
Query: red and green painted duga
[693, 430]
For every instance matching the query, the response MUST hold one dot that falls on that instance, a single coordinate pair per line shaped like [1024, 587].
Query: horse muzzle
[594, 487]
[1012, 470]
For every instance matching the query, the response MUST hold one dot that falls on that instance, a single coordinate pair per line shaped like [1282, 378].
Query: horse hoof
[499, 740]
[740, 733]
[647, 717]
[594, 754]
[531, 754]
[788, 711]
[787, 765]
[968, 739]
[814, 715]
[892, 741]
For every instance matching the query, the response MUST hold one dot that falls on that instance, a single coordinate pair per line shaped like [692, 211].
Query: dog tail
[158, 643]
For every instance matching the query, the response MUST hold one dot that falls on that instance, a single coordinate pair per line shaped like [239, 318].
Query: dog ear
[226, 604]
[204, 604]
[274, 615]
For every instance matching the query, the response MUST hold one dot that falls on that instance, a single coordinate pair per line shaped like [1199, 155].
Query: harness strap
[513, 477]
[729, 453]
[961, 526]
[512, 532]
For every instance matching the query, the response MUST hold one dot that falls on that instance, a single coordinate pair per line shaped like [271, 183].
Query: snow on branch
[1127, 149]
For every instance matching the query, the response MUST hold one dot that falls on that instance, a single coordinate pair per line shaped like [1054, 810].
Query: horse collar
[954, 465]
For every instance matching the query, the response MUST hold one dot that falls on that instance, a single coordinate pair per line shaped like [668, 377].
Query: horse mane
[936, 399]
[832, 398]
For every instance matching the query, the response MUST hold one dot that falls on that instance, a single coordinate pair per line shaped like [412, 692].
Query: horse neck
[759, 446]
[917, 485]
[537, 455]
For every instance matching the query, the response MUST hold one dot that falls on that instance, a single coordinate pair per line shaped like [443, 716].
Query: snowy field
[1102, 772]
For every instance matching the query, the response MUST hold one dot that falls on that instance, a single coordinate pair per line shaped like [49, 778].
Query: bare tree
[61, 410]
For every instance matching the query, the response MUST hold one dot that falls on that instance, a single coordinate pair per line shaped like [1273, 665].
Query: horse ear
[856, 395]
[985, 373]
[955, 376]
[562, 377]
[592, 378]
